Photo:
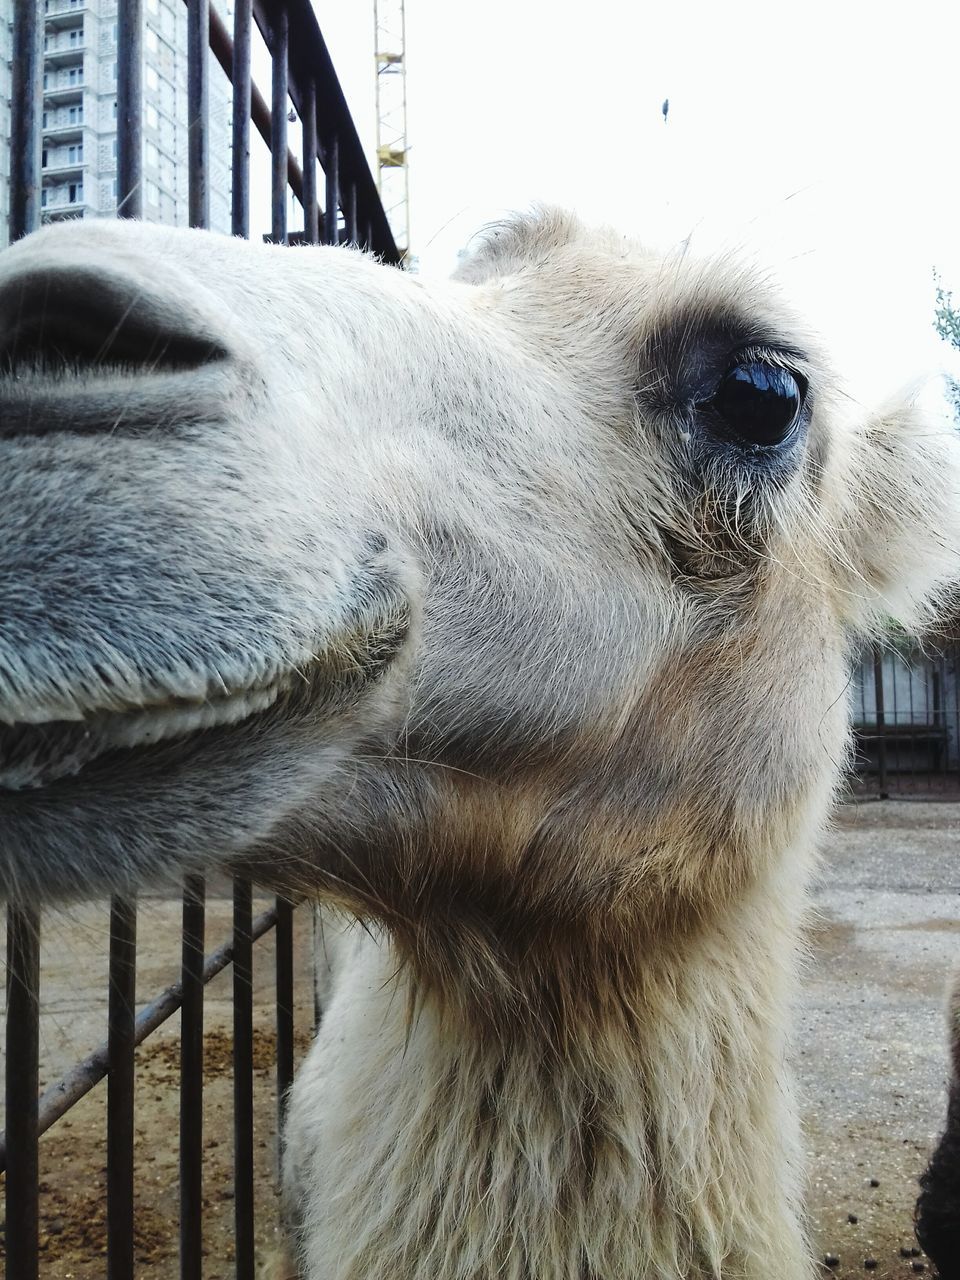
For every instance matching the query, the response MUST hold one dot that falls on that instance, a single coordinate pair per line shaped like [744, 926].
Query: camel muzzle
[87, 348]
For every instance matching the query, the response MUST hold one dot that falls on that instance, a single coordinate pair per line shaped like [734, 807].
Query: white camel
[509, 617]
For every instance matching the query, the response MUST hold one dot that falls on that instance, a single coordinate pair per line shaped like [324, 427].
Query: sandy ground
[869, 1049]
[870, 1036]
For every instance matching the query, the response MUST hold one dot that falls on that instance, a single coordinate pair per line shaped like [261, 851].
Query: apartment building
[79, 161]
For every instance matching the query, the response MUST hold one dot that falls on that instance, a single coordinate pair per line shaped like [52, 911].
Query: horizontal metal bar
[84, 1075]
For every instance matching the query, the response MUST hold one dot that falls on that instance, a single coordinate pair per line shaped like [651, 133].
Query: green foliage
[946, 318]
[946, 321]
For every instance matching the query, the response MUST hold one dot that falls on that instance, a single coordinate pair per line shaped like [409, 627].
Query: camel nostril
[62, 321]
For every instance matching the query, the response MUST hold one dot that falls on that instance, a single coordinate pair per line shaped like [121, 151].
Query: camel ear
[521, 241]
[899, 541]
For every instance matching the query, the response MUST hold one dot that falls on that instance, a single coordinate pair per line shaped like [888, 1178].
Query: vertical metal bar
[278, 128]
[897, 751]
[311, 209]
[22, 1092]
[881, 721]
[331, 168]
[914, 753]
[130, 109]
[198, 114]
[120, 1087]
[243, 1079]
[319, 957]
[350, 213]
[26, 100]
[242, 92]
[191, 1082]
[284, 941]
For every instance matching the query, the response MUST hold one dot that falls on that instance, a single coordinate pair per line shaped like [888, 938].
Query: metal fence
[302, 75]
[906, 714]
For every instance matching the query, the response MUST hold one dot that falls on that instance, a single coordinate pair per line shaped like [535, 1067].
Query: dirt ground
[870, 1042]
[869, 1050]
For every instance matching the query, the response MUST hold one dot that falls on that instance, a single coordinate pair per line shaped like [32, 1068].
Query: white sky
[817, 139]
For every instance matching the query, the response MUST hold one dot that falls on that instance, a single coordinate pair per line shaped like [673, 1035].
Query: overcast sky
[818, 140]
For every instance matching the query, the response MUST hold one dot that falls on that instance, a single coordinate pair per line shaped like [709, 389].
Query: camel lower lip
[37, 750]
[110, 398]
[35, 755]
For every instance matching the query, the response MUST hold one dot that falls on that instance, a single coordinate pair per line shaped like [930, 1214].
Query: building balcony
[63, 169]
[62, 55]
[63, 131]
[61, 205]
[61, 13]
[64, 212]
[64, 92]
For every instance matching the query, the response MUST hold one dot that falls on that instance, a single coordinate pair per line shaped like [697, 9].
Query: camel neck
[449, 1156]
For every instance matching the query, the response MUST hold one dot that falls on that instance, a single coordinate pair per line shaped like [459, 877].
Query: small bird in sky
[665, 108]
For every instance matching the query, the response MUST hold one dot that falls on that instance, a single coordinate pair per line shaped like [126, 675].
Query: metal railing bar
[243, 1204]
[299, 58]
[22, 1079]
[242, 79]
[279, 54]
[25, 115]
[318, 957]
[260, 114]
[121, 1044]
[129, 114]
[22, 1210]
[311, 58]
[350, 214]
[191, 1081]
[311, 207]
[87, 1074]
[284, 974]
[198, 101]
[880, 721]
[331, 169]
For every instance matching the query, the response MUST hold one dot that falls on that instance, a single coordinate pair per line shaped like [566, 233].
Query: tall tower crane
[393, 179]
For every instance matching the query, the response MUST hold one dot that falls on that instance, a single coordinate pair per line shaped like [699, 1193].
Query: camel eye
[759, 403]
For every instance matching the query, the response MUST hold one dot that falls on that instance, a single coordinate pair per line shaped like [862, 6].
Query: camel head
[510, 613]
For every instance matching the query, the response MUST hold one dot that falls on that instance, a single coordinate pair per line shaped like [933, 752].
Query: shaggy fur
[938, 1208]
[448, 605]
